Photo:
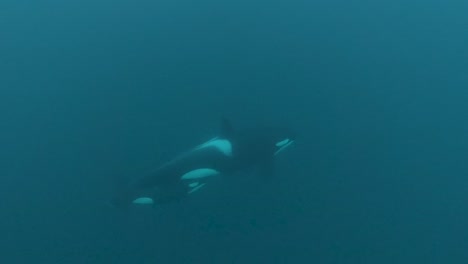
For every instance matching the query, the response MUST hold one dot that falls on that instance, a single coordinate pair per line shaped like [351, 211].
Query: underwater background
[92, 92]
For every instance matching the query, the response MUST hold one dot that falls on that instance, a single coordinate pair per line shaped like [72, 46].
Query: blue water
[95, 92]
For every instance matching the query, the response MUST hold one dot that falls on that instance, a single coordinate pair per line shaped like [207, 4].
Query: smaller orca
[230, 152]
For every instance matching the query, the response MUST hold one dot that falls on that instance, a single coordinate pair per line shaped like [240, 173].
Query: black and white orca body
[232, 151]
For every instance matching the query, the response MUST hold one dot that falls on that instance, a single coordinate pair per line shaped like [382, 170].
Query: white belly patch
[193, 176]
[283, 144]
[199, 173]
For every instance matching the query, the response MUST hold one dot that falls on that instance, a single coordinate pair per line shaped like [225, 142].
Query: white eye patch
[283, 144]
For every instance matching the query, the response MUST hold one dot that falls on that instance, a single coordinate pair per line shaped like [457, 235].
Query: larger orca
[232, 151]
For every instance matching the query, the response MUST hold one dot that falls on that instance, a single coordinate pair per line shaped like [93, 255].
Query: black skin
[249, 150]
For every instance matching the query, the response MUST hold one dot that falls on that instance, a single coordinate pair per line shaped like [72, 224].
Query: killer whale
[230, 152]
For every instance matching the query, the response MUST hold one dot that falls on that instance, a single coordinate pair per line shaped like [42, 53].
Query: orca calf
[230, 152]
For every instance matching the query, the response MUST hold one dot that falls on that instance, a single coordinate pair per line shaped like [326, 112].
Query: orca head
[277, 137]
[274, 136]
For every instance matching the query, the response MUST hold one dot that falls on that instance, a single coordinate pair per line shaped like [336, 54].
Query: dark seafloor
[94, 91]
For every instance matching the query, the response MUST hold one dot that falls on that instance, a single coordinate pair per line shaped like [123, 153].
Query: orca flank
[230, 152]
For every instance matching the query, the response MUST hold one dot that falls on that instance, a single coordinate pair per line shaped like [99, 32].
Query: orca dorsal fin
[226, 128]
